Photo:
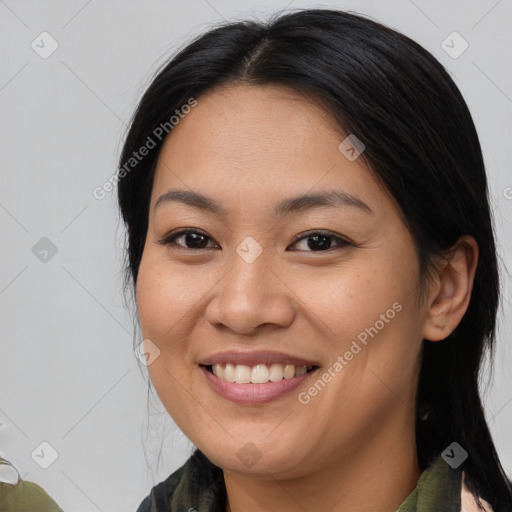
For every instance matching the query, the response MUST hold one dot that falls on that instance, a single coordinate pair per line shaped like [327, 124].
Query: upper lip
[255, 357]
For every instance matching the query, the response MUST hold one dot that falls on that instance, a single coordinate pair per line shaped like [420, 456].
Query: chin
[257, 457]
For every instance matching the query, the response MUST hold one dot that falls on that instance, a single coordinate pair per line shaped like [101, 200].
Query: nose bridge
[251, 294]
[249, 272]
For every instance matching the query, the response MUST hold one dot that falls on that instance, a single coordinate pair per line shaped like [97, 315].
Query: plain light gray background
[67, 371]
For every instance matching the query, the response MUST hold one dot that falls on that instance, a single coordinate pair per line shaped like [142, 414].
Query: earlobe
[451, 290]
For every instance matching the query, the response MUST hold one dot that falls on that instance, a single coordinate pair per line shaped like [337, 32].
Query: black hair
[421, 144]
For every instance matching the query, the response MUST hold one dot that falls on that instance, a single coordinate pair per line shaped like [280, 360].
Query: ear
[450, 291]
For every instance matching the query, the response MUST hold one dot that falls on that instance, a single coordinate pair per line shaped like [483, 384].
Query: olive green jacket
[198, 485]
[24, 496]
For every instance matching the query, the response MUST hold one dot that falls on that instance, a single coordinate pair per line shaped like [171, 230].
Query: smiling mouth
[257, 374]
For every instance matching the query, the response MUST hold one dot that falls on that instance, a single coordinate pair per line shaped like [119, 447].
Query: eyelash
[171, 238]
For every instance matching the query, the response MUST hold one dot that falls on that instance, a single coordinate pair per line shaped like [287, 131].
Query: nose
[250, 296]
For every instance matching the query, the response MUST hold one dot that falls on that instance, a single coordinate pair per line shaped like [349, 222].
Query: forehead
[240, 122]
[260, 141]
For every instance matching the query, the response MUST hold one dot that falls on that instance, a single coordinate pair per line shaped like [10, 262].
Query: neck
[377, 475]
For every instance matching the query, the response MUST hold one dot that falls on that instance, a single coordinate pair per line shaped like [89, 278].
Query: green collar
[24, 496]
[199, 485]
[438, 490]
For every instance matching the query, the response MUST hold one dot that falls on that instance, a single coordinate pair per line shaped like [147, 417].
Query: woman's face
[259, 284]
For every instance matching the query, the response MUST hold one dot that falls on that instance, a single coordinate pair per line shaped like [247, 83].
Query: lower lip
[253, 394]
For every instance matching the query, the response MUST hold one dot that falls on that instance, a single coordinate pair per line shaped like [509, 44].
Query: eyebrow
[303, 202]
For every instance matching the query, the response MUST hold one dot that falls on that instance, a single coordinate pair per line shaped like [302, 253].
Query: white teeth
[258, 374]
[300, 370]
[242, 374]
[229, 373]
[218, 371]
[275, 372]
[289, 371]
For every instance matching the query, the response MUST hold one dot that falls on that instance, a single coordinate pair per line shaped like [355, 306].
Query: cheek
[347, 299]
[166, 297]
[366, 313]
[367, 316]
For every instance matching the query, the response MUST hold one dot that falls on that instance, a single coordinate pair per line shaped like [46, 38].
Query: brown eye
[321, 241]
[187, 239]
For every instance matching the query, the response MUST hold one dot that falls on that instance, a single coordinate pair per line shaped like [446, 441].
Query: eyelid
[311, 232]
[170, 238]
[305, 234]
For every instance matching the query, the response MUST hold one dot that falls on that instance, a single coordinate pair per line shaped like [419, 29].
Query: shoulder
[162, 493]
[198, 484]
[469, 502]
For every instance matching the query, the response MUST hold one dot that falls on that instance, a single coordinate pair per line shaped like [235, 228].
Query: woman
[312, 255]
